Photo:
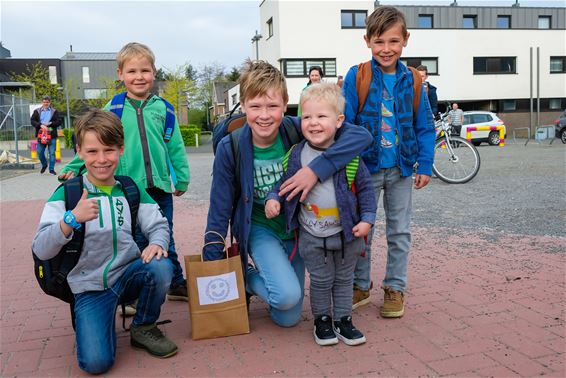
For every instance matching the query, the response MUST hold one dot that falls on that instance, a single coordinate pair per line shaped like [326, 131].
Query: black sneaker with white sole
[347, 332]
[323, 332]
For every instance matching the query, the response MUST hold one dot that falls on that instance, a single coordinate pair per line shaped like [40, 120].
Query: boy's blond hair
[258, 77]
[383, 18]
[105, 125]
[325, 92]
[135, 49]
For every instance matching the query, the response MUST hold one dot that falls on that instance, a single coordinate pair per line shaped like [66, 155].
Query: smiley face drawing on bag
[217, 289]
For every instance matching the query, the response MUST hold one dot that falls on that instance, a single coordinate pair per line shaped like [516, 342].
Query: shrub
[189, 132]
[68, 134]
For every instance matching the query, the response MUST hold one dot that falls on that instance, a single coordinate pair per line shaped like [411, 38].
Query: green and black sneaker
[150, 338]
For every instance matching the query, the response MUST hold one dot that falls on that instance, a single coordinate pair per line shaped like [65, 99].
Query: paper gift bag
[217, 297]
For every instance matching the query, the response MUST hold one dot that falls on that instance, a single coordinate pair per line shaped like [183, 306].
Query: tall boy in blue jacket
[401, 140]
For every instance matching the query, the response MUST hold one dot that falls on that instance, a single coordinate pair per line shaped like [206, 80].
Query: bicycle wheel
[458, 164]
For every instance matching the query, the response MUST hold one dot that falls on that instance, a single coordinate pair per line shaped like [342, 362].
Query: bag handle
[223, 243]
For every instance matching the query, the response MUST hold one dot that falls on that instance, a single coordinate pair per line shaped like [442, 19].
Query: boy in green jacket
[146, 153]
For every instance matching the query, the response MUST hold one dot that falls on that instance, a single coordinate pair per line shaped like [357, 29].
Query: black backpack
[52, 274]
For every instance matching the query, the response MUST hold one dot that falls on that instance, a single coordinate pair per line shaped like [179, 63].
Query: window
[86, 75]
[503, 22]
[353, 19]
[431, 64]
[91, 94]
[494, 65]
[470, 22]
[544, 22]
[481, 118]
[555, 104]
[509, 105]
[234, 99]
[558, 64]
[53, 75]
[300, 67]
[426, 21]
[270, 27]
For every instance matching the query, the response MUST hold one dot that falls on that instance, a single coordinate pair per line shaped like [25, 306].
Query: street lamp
[255, 39]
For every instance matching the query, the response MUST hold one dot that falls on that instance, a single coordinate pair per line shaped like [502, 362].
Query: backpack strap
[363, 82]
[73, 192]
[235, 142]
[132, 194]
[417, 89]
[169, 120]
[117, 104]
[351, 171]
[285, 162]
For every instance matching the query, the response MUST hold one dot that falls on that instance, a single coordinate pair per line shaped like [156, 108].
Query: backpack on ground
[52, 274]
[363, 81]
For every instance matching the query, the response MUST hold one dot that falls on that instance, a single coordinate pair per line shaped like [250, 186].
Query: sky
[178, 32]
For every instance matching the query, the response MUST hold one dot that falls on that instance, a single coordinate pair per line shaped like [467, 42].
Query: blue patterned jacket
[416, 134]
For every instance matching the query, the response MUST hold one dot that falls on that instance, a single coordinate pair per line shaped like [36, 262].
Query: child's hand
[66, 176]
[178, 193]
[152, 250]
[272, 208]
[303, 181]
[421, 181]
[361, 229]
[86, 209]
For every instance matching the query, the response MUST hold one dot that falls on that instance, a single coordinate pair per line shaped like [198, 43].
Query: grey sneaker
[178, 292]
[150, 338]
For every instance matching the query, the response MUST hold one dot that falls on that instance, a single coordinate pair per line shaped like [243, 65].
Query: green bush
[189, 132]
[68, 134]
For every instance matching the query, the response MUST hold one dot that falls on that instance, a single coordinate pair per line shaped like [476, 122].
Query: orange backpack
[363, 81]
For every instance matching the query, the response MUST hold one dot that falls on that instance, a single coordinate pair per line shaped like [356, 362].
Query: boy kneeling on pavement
[111, 266]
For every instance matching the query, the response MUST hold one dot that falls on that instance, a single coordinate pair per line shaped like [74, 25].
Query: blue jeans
[397, 203]
[277, 281]
[165, 202]
[41, 153]
[95, 311]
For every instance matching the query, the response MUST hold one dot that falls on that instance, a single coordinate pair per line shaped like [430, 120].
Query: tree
[38, 75]
[191, 73]
[234, 75]
[178, 89]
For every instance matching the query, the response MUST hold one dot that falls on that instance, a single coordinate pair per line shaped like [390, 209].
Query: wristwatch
[69, 219]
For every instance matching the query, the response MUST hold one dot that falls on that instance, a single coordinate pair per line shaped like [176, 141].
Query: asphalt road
[519, 189]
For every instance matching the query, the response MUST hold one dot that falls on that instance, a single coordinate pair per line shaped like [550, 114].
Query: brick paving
[478, 304]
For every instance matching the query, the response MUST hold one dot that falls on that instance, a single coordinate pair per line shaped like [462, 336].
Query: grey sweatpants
[331, 273]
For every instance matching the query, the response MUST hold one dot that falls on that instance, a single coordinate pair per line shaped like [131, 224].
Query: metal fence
[16, 131]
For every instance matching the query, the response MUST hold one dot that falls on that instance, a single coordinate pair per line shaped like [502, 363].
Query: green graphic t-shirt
[267, 171]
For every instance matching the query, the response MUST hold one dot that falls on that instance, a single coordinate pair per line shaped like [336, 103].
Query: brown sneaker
[178, 292]
[393, 303]
[361, 297]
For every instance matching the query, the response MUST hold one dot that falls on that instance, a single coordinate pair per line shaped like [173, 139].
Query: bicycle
[456, 160]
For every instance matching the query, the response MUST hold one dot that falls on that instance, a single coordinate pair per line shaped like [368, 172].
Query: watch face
[68, 218]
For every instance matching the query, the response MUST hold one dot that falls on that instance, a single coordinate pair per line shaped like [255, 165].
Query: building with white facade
[485, 58]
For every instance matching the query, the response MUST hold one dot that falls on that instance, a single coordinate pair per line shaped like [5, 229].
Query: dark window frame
[425, 15]
[305, 68]
[563, 58]
[417, 61]
[269, 28]
[473, 17]
[352, 13]
[490, 62]
[503, 17]
[546, 17]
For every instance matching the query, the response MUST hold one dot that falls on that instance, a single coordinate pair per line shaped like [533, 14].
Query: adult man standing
[456, 119]
[430, 89]
[46, 120]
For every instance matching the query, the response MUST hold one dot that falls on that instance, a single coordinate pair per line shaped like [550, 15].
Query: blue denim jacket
[351, 140]
[352, 207]
[416, 134]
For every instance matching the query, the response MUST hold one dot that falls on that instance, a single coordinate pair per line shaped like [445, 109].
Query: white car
[481, 118]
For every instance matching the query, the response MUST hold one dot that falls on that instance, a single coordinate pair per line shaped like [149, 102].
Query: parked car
[481, 118]
[560, 127]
